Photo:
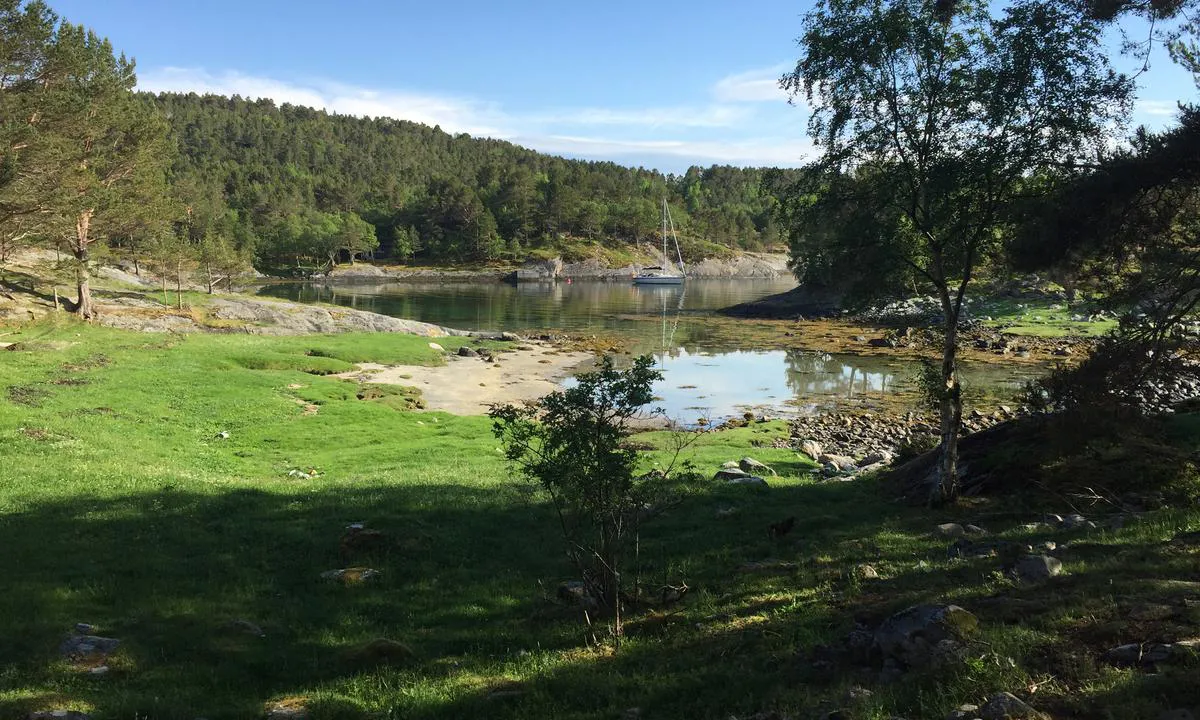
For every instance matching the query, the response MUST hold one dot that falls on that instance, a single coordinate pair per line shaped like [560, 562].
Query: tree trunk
[166, 300]
[179, 286]
[950, 407]
[83, 306]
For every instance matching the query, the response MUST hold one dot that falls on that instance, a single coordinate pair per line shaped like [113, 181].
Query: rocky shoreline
[744, 265]
[850, 443]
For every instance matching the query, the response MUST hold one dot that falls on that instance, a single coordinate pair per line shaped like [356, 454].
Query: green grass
[1042, 318]
[120, 506]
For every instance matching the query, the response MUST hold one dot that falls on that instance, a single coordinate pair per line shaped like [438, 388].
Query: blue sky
[663, 84]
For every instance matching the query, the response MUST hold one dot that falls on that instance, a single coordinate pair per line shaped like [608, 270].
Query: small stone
[964, 712]
[1047, 546]
[1007, 706]
[435, 346]
[289, 709]
[951, 530]
[974, 530]
[1036, 568]
[85, 628]
[1075, 520]
[1053, 520]
[351, 576]
[99, 670]
[858, 694]
[465, 351]
[867, 572]
[223, 435]
[730, 465]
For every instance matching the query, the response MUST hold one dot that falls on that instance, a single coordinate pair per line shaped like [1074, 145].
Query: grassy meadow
[122, 506]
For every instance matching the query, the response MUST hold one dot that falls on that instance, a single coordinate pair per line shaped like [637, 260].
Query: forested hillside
[293, 182]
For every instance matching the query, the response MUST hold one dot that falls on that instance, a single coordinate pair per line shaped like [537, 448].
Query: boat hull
[658, 280]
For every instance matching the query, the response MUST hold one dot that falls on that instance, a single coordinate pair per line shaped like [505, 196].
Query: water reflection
[702, 378]
[720, 385]
[575, 307]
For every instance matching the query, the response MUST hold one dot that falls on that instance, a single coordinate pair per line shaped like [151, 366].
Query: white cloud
[728, 130]
[713, 116]
[1157, 108]
[452, 114]
[763, 152]
[761, 85]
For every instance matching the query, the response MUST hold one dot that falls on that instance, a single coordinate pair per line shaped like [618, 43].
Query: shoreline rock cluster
[853, 443]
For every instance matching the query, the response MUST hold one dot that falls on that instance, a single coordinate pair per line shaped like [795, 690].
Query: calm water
[703, 377]
[573, 307]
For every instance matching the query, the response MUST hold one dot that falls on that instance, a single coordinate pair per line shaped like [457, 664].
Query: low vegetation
[184, 498]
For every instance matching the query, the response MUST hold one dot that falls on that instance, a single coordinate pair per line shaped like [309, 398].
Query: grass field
[1042, 318]
[121, 506]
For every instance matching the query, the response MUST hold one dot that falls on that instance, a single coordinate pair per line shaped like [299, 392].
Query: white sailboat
[657, 275]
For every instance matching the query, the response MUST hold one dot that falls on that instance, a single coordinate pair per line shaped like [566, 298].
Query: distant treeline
[293, 183]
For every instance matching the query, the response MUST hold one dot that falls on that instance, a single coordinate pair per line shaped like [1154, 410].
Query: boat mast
[674, 236]
[664, 232]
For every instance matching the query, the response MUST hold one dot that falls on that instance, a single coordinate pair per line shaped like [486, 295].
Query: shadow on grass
[170, 572]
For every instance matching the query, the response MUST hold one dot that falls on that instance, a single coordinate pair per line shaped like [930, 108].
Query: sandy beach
[470, 385]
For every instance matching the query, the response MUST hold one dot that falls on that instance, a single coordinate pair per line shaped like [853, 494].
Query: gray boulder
[882, 457]
[926, 635]
[1036, 568]
[843, 463]
[951, 530]
[728, 474]
[1073, 521]
[85, 646]
[1152, 653]
[748, 480]
[754, 467]
[964, 712]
